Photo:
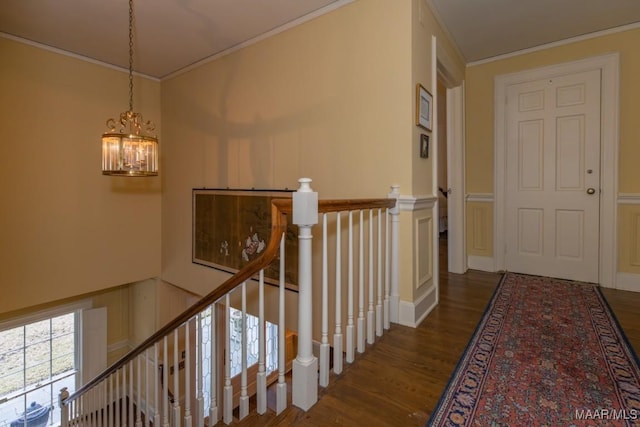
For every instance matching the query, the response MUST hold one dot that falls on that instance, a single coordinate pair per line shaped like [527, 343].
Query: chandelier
[128, 147]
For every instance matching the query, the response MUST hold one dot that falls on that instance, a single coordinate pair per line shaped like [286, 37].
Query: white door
[553, 176]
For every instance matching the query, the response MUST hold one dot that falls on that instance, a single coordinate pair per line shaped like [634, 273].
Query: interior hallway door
[553, 176]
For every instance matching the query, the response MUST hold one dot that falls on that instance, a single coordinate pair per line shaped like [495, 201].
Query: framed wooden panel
[232, 227]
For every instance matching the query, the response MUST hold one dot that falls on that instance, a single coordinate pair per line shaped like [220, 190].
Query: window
[37, 360]
[235, 331]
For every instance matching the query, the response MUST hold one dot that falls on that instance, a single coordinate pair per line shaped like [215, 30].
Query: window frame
[18, 321]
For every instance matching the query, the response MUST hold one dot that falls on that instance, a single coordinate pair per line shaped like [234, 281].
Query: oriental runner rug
[547, 352]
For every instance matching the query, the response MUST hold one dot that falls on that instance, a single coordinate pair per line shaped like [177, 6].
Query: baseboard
[413, 313]
[628, 282]
[482, 263]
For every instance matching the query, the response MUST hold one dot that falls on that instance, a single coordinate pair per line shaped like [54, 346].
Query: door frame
[445, 70]
[609, 68]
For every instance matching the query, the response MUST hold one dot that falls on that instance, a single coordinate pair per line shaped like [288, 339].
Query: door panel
[553, 158]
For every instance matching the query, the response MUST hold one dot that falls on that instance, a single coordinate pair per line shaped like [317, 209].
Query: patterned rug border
[448, 389]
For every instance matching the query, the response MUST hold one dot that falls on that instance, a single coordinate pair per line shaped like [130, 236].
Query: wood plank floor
[400, 378]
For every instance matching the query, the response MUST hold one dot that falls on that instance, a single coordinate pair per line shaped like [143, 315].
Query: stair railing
[136, 390]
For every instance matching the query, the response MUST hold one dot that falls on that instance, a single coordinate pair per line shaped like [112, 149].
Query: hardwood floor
[400, 378]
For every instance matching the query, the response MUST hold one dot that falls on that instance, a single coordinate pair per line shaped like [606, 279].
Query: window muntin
[37, 360]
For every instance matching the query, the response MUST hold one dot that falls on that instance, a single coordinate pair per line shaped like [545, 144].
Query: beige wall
[480, 114]
[629, 235]
[66, 229]
[480, 221]
[331, 99]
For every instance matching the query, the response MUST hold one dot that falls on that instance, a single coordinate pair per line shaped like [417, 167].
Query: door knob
[591, 191]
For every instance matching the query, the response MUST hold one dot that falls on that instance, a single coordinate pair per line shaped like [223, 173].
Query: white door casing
[609, 69]
[553, 176]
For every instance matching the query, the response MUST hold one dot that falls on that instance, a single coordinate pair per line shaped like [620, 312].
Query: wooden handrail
[325, 206]
[280, 208]
[278, 227]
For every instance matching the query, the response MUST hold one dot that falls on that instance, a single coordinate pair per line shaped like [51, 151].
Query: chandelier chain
[131, 55]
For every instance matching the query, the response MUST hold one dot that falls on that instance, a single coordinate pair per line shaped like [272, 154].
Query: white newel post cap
[305, 204]
[395, 194]
[64, 394]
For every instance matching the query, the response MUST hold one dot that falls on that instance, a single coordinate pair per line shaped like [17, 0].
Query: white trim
[117, 346]
[456, 207]
[435, 214]
[299, 21]
[416, 203]
[413, 313]
[629, 199]
[628, 282]
[480, 197]
[609, 66]
[571, 40]
[36, 316]
[482, 263]
[74, 55]
[420, 258]
[443, 27]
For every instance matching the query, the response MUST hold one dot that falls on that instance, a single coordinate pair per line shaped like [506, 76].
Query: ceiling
[488, 28]
[171, 35]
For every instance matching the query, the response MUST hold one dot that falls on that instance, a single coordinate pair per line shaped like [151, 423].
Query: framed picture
[424, 107]
[424, 146]
[232, 227]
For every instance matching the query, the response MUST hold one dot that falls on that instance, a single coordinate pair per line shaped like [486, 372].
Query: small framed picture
[424, 146]
[424, 107]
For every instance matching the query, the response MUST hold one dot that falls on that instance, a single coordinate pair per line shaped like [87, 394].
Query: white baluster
[394, 303]
[387, 273]
[139, 393]
[281, 388]
[102, 404]
[370, 314]
[213, 386]
[199, 374]
[379, 319]
[360, 334]
[117, 402]
[132, 416]
[337, 336]
[305, 366]
[165, 383]
[156, 374]
[95, 400]
[261, 377]
[350, 326]
[110, 410]
[227, 412]
[187, 375]
[125, 408]
[176, 379]
[147, 396]
[73, 410]
[324, 344]
[244, 397]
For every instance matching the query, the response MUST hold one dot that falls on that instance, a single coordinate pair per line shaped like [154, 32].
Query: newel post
[64, 409]
[394, 291]
[305, 366]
